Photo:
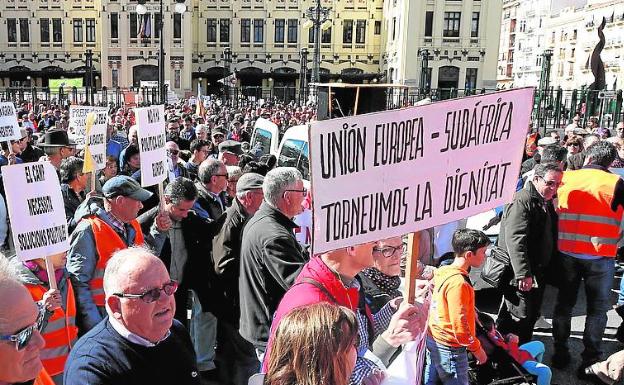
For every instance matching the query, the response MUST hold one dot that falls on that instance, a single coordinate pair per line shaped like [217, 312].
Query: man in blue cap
[102, 231]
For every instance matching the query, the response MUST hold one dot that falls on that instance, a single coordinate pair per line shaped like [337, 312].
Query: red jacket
[303, 293]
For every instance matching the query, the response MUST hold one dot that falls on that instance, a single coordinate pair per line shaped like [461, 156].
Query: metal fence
[553, 108]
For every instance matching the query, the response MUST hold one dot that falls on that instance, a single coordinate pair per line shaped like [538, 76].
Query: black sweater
[102, 356]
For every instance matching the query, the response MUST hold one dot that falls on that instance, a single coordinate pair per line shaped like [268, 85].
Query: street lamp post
[141, 9]
[318, 16]
[89, 65]
[424, 63]
[543, 86]
[227, 59]
[303, 76]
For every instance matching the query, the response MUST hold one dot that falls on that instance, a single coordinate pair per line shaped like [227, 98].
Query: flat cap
[230, 146]
[249, 181]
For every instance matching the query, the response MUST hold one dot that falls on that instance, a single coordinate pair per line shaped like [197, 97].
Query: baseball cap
[123, 185]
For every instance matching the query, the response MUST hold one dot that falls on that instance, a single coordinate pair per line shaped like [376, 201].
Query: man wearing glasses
[20, 339]
[139, 342]
[528, 235]
[270, 255]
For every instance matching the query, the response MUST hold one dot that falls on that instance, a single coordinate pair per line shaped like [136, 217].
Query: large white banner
[152, 139]
[9, 129]
[391, 173]
[95, 140]
[78, 120]
[36, 210]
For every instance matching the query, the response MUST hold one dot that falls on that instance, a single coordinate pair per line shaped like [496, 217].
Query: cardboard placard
[152, 139]
[36, 209]
[9, 129]
[390, 173]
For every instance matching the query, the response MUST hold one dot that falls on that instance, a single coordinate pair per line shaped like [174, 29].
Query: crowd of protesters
[207, 283]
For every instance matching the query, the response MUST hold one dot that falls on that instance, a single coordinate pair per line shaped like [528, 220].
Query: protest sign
[77, 120]
[395, 172]
[9, 129]
[95, 141]
[36, 210]
[151, 130]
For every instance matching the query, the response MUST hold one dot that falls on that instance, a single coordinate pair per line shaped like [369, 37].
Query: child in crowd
[452, 330]
[528, 355]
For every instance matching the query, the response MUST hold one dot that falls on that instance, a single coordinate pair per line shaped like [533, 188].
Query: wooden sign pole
[411, 270]
[51, 275]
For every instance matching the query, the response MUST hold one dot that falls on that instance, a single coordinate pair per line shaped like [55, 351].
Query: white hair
[277, 181]
[117, 267]
[234, 172]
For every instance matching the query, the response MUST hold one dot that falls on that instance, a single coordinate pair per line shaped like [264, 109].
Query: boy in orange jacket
[452, 314]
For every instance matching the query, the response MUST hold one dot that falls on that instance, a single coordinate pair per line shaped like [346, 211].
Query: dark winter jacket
[271, 259]
[528, 233]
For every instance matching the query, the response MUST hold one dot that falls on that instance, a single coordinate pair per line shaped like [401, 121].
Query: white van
[292, 151]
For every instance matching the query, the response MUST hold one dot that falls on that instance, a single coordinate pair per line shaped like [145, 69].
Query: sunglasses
[22, 338]
[152, 295]
[551, 183]
[173, 152]
[389, 251]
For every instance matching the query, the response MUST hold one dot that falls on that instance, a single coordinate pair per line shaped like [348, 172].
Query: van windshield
[295, 154]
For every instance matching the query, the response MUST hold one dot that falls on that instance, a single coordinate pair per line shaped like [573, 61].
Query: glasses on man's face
[388, 251]
[152, 295]
[303, 190]
[22, 338]
[173, 152]
[551, 183]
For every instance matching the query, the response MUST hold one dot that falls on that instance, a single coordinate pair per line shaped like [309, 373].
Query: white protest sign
[36, 210]
[78, 120]
[95, 143]
[391, 173]
[151, 130]
[9, 129]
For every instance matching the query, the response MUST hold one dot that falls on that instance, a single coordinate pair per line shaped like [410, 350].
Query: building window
[44, 27]
[311, 35]
[211, 33]
[471, 78]
[115, 77]
[12, 30]
[347, 32]
[177, 78]
[292, 30]
[258, 30]
[224, 30]
[177, 27]
[394, 27]
[326, 36]
[451, 24]
[245, 30]
[24, 32]
[360, 32]
[279, 30]
[78, 30]
[90, 30]
[157, 25]
[133, 26]
[57, 31]
[474, 28]
[429, 23]
[114, 25]
[377, 27]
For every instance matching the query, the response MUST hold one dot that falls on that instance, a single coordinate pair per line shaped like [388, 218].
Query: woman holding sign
[58, 328]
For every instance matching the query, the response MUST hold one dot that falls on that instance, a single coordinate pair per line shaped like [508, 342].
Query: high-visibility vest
[44, 378]
[60, 333]
[107, 242]
[587, 224]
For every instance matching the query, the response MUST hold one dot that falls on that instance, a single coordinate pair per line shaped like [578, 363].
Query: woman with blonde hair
[314, 345]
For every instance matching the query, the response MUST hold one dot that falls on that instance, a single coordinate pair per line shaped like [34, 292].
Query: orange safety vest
[107, 242]
[587, 225]
[43, 378]
[60, 333]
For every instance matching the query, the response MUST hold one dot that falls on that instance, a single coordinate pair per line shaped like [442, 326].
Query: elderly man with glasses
[139, 342]
[270, 255]
[20, 339]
